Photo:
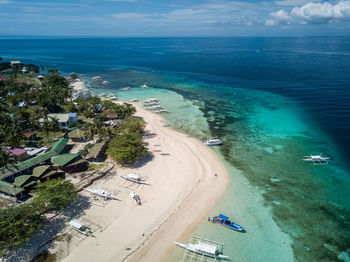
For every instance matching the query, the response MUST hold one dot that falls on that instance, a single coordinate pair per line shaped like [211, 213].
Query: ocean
[272, 100]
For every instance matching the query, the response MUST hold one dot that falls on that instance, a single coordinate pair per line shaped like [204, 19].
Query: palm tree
[45, 127]
[54, 126]
[13, 137]
[5, 159]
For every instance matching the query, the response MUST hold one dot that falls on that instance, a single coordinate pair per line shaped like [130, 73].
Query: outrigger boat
[136, 198]
[213, 141]
[80, 227]
[101, 193]
[134, 178]
[133, 100]
[202, 248]
[223, 220]
[316, 159]
[96, 78]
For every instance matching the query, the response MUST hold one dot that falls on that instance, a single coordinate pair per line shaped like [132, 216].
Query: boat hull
[232, 226]
[200, 253]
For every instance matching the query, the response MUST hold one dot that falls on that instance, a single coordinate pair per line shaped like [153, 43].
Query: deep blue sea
[272, 100]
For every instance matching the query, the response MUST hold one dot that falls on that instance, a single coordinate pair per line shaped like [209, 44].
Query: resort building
[63, 119]
[69, 163]
[13, 63]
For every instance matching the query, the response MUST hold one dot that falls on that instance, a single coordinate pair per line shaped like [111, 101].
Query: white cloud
[279, 17]
[311, 13]
[295, 2]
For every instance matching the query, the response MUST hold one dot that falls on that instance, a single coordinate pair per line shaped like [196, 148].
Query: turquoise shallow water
[273, 100]
[266, 136]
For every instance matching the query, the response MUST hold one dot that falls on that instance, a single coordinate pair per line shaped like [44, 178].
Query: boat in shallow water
[213, 141]
[201, 248]
[224, 221]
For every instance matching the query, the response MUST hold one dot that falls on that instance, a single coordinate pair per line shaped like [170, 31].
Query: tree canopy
[127, 148]
[17, 223]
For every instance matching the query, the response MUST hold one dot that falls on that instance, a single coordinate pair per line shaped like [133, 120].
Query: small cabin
[19, 153]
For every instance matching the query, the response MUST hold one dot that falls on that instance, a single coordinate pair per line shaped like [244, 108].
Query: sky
[167, 18]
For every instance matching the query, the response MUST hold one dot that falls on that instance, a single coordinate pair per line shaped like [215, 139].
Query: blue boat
[223, 220]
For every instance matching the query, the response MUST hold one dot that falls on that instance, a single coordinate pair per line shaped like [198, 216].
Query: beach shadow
[44, 238]
[148, 135]
[143, 161]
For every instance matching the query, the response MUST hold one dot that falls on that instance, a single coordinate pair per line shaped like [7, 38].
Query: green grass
[95, 166]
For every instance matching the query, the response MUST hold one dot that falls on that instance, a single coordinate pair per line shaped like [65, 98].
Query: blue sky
[174, 18]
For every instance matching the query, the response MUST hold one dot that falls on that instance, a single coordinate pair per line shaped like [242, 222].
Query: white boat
[316, 159]
[133, 100]
[156, 107]
[80, 227]
[134, 178]
[202, 248]
[153, 100]
[126, 88]
[150, 104]
[136, 198]
[112, 96]
[101, 193]
[96, 78]
[213, 142]
[162, 111]
[105, 83]
[144, 86]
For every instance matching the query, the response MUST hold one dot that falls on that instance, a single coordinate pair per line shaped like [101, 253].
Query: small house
[25, 181]
[10, 190]
[19, 153]
[29, 135]
[97, 152]
[76, 135]
[45, 171]
[69, 163]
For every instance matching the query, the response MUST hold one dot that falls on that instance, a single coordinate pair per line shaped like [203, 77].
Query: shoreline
[188, 192]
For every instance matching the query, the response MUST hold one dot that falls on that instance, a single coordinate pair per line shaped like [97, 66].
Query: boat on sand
[102, 193]
[80, 227]
[136, 198]
[134, 178]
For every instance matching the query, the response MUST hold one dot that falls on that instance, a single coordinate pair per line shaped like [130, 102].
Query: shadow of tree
[44, 238]
[143, 161]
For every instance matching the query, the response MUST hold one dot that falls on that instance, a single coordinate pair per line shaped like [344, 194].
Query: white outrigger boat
[105, 83]
[202, 248]
[213, 141]
[96, 78]
[102, 193]
[80, 227]
[144, 86]
[126, 88]
[316, 159]
[136, 198]
[133, 100]
[134, 178]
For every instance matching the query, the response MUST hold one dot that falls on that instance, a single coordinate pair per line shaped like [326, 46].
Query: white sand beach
[183, 189]
[78, 85]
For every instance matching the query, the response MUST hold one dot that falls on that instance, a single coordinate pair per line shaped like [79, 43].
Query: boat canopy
[223, 217]
[210, 249]
[76, 224]
[133, 176]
